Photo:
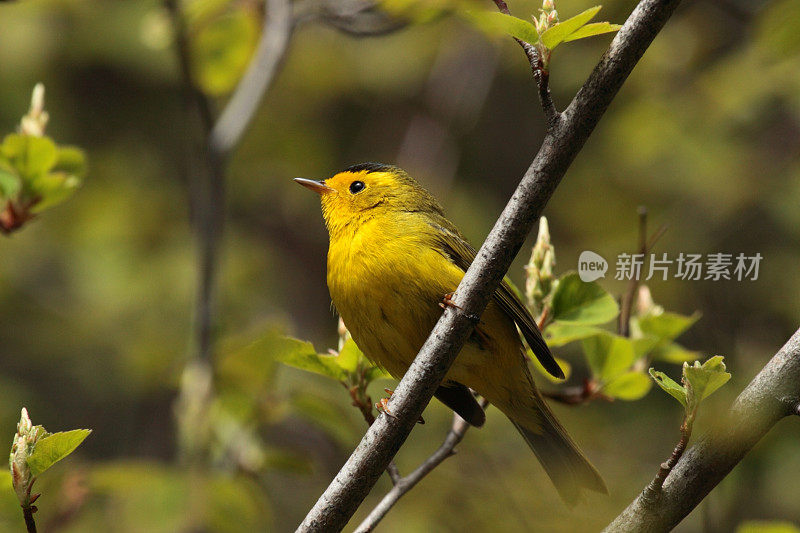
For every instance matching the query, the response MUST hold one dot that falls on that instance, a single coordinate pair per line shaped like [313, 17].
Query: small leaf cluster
[698, 382]
[348, 365]
[34, 450]
[35, 172]
[574, 310]
[546, 32]
[245, 399]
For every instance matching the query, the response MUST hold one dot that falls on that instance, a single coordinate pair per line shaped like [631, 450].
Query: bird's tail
[568, 468]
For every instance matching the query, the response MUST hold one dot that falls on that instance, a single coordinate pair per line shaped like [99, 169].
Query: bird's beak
[318, 187]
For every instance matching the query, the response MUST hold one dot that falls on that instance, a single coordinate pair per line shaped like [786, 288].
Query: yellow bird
[393, 257]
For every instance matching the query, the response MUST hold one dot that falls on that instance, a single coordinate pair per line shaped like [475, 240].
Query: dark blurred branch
[540, 74]
[359, 18]
[206, 184]
[633, 284]
[645, 247]
[561, 145]
[771, 396]
[405, 484]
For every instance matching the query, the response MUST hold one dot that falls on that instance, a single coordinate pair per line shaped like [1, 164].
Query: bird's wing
[461, 253]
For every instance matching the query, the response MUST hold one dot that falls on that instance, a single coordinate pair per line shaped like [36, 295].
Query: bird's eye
[357, 186]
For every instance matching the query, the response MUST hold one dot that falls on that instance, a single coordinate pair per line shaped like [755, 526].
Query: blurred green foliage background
[96, 296]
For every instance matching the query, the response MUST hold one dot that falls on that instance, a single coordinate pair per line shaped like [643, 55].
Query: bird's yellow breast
[386, 279]
[386, 282]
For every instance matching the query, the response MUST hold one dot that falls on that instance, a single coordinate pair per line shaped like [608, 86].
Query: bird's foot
[383, 406]
[447, 301]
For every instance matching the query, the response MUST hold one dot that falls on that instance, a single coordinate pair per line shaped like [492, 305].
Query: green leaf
[608, 355]
[52, 189]
[222, 50]
[670, 387]
[590, 30]
[9, 184]
[558, 33]
[665, 326]
[376, 372]
[249, 365]
[495, 23]
[565, 366]
[644, 345]
[70, 160]
[349, 356]
[703, 380]
[30, 156]
[51, 449]
[561, 333]
[302, 355]
[583, 303]
[628, 386]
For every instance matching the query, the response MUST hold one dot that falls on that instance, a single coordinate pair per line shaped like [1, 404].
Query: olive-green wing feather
[461, 253]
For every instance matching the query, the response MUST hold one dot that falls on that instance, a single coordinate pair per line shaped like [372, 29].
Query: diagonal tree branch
[771, 396]
[560, 147]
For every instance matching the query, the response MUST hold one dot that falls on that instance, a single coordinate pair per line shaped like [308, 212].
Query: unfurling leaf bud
[24, 440]
[548, 5]
[35, 122]
[539, 282]
[552, 18]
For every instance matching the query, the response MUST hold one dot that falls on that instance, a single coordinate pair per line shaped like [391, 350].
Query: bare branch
[560, 147]
[405, 484]
[250, 91]
[770, 397]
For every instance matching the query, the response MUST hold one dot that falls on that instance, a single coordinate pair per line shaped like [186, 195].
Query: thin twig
[405, 484]
[579, 394]
[540, 74]
[30, 523]
[654, 488]
[241, 108]
[761, 405]
[561, 145]
[645, 247]
[630, 294]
